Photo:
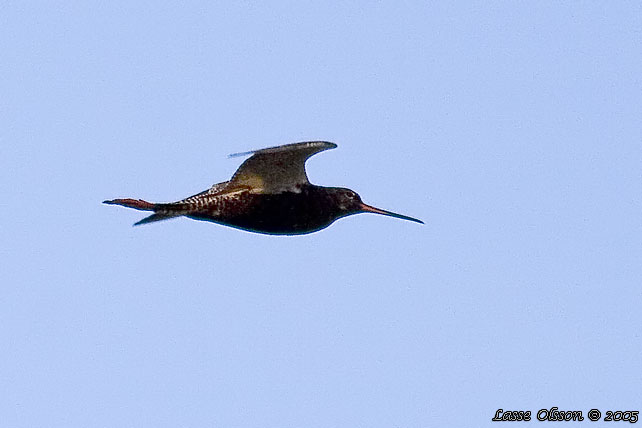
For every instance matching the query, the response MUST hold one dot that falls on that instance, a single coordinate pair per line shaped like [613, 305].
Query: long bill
[369, 209]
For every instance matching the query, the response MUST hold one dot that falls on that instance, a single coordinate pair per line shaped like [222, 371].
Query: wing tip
[324, 145]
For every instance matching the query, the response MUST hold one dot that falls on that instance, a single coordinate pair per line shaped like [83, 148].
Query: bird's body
[269, 193]
[290, 213]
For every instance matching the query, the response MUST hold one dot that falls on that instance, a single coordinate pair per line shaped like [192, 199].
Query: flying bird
[270, 193]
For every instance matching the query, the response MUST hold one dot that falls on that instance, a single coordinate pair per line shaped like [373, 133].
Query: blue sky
[512, 129]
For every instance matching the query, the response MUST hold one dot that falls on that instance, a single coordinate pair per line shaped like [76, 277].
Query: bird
[269, 194]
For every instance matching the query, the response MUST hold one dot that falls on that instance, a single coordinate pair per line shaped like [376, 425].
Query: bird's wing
[277, 169]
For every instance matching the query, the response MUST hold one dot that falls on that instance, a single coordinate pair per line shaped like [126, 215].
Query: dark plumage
[269, 193]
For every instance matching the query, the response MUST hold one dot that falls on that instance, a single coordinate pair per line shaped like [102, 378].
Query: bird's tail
[139, 204]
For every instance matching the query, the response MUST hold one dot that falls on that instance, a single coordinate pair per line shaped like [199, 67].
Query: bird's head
[349, 202]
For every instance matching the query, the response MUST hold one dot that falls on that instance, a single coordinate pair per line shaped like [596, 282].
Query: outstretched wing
[277, 169]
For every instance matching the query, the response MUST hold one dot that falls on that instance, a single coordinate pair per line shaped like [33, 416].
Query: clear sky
[513, 129]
